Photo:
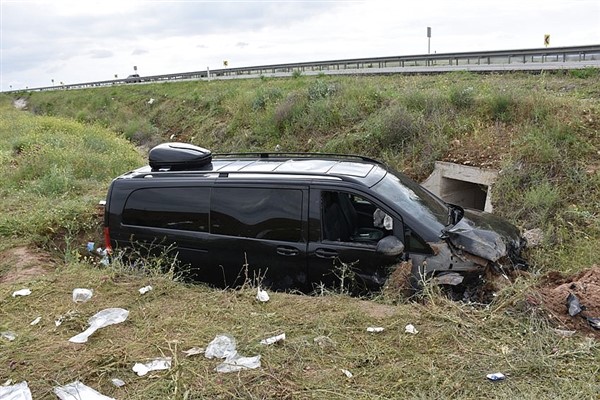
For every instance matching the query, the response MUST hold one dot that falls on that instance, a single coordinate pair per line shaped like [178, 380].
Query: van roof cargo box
[178, 157]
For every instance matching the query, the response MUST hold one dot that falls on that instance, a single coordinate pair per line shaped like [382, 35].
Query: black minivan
[293, 219]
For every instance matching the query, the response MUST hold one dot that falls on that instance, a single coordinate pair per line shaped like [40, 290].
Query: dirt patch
[554, 290]
[22, 263]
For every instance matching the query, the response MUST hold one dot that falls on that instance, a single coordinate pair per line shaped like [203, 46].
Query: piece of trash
[273, 339]
[35, 321]
[375, 329]
[19, 391]
[450, 278]
[564, 333]
[193, 351]
[78, 391]
[410, 328]
[237, 363]
[145, 289]
[222, 346]
[157, 364]
[58, 321]
[573, 305]
[117, 382]
[109, 316]
[151, 101]
[262, 295]
[82, 295]
[594, 322]
[8, 335]
[90, 246]
[22, 292]
[347, 373]
[497, 376]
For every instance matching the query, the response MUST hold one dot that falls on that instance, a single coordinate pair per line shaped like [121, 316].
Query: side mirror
[390, 246]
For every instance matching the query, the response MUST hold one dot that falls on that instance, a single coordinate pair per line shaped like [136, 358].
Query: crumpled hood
[484, 235]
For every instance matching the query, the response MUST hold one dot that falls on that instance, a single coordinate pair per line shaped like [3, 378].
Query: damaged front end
[471, 251]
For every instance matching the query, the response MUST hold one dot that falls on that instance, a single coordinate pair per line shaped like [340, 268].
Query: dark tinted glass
[171, 208]
[261, 213]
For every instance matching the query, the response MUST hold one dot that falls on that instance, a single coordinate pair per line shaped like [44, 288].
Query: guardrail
[539, 59]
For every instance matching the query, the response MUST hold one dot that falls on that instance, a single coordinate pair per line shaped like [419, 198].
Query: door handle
[326, 253]
[287, 251]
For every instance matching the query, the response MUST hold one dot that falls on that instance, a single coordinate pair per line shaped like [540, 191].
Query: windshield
[414, 203]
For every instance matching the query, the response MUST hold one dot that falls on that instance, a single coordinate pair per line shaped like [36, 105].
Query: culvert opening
[464, 194]
[463, 185]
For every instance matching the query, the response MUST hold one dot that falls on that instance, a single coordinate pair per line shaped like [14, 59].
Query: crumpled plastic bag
[106, 317]
[155, 365]
[262, 295]
[19, 391]
[223, 346]
[22, 292]
[78, 391]
[82, 295]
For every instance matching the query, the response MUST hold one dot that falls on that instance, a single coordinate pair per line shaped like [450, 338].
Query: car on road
[293, 219]
[134, 78]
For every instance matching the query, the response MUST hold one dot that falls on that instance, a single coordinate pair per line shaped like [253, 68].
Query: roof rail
[279, 155]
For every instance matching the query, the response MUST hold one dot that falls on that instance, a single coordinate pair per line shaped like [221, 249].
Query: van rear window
[184, 208]
[261, 213]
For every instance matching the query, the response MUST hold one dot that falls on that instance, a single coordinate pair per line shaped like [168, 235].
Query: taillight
[107, 240]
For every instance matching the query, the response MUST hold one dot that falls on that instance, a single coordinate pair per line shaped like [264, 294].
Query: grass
[57, 161]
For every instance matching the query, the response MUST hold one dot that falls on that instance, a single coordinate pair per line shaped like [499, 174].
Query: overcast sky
[82, 41]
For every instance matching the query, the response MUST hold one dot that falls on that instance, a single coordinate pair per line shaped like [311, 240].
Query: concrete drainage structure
[462, 185]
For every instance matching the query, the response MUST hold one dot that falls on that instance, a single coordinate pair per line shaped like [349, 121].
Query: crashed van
[296, 220]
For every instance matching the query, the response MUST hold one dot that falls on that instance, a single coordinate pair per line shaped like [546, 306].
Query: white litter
[262, 295]
[8, 335]
[157, 364]
[375, 329]
[410, 328]
[223, 346]
[193, 351]
[20, 391]
[22, 292]
[497, 376]
[102, 319]
[78, 391]
[347, 373]
[273, 339]
[35, 321]
[117, 382]
[82, 295]
[151, 101]
[145, 289]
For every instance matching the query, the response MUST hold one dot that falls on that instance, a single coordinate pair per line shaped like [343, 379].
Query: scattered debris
[449, 278]
[594, 322]
[22, 292]
[262, 295]
[223, 346]
[564, 333]
[82, 295]
[20, 104]
[347, 373]
[35, 321]
[534, 237]
[102, 319]
[157, 364]
[573, 305]
[410, 328]
[193, 351]
[19, 391]
[273, 339]
[117, 382]
[151, 101]
[145, 289]
[78, 391]
[497, 376]
[375, 329]
[8, 335]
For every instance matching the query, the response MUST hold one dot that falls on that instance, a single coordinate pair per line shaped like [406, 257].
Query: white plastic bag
[82, 295]
[19, 391]
[262, 295]
[102, 319]
[237, 363]
[78, 391]
[22, 292]
[222, 346]
[155, 365]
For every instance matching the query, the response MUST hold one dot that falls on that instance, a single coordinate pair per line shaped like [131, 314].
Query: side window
[350, 218]
[261, 213]
[415, 243]
[184, 208]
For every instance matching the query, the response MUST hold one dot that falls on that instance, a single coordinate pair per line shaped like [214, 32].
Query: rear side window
[261, 213]
[171, 208]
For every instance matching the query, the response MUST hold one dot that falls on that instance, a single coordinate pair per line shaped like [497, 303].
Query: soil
[554, 290]
[23, 263]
